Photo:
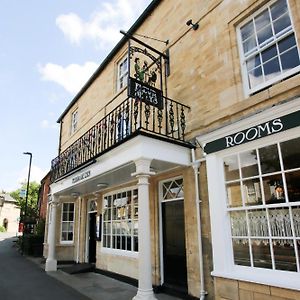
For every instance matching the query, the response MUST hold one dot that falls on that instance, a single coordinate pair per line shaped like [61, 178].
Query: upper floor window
[122, 73]
[268, 47]
[74, 121]
[67, 222]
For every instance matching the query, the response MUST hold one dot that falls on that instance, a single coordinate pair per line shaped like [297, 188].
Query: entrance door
[173, 236]
[91, 231]
[92, 237]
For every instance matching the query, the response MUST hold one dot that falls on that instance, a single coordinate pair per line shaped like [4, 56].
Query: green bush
[2, 229]
[40, 227]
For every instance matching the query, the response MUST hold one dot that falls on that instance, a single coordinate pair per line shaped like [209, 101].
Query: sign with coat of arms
[145, 75]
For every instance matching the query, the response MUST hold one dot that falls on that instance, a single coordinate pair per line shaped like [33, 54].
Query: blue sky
[48, 51]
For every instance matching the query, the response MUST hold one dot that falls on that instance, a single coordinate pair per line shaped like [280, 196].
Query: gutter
[196, 164]
[79, 227]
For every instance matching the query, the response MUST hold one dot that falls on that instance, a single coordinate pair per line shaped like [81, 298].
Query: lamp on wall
[195, 26]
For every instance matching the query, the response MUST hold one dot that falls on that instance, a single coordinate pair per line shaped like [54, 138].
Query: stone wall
[10, 212]
[240, 290]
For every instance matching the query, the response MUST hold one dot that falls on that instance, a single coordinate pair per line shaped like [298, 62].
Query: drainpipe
[78, 233]
[196, 165]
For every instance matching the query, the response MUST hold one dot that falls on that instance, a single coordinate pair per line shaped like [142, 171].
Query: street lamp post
[26, 199]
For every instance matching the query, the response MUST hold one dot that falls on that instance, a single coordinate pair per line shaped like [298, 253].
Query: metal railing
[130, 118]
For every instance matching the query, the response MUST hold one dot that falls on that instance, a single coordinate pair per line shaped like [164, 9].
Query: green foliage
[2, 229]
[33, 193]
[40, 227]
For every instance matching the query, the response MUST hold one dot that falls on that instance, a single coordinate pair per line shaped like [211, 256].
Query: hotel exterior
[178, 162]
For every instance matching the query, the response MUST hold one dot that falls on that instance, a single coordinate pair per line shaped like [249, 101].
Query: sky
[48, 50]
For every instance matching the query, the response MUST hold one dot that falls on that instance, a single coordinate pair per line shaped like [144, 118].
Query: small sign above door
[81, 176]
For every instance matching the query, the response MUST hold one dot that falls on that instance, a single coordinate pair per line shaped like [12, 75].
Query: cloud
[104, 25]
[71, 77]
[46, 124]
[36, 174]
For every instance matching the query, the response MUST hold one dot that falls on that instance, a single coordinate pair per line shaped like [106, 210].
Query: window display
[263, 203]
[120, 220]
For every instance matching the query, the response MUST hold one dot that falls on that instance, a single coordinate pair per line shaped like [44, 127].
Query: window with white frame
[122, 73]
[268, 47]
[172, 189]
[120, 220]
[67, 222]
[74, 121]
[263, 205]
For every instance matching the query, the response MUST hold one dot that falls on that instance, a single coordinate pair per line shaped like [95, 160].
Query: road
[20, 279]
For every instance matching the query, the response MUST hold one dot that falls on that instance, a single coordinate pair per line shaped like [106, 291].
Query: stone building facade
[9, 213]
[186, 176]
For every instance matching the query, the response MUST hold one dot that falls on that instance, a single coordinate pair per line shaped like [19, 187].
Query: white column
[51, 262]
[145, 291]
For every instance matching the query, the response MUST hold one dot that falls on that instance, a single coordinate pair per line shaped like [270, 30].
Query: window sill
[276, 278]
[280, 84]
[118, 252]
[66, 243]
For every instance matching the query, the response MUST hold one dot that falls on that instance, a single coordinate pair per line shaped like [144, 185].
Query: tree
[33, 193]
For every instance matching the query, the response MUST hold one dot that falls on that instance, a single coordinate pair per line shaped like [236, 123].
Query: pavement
[23, 277]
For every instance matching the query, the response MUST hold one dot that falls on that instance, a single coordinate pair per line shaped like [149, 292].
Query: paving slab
[25, 279]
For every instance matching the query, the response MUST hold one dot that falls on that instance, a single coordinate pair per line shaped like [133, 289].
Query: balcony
[131, 118]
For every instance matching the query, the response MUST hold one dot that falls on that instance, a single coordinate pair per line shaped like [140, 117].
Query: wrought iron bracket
[129, 36]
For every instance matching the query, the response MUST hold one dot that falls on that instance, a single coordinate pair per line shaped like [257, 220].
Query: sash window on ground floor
[120, 220]
[263, 204]
[67, 222]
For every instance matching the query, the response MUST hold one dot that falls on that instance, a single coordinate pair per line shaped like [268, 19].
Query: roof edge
[112, 53]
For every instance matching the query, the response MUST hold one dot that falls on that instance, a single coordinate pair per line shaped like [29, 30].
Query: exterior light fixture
[75, 194]
[102, 185]
[190, 23]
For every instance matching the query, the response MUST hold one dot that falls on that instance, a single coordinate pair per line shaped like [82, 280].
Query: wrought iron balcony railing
[130, 118]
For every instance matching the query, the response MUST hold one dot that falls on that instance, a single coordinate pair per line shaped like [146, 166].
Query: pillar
[51, 262]
[145, 291]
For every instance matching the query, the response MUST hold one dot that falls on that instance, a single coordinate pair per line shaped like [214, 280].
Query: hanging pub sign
[256, 132]
[145, 72]
[145, 93]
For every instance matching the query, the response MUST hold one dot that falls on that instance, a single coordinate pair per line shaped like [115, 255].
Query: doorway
[173, 264]
[92, 238]
[91, 243]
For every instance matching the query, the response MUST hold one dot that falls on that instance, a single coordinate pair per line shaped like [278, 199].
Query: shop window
[263, 205]
[67, 223]
[120, 220]
[268, 47]
[122, 75]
